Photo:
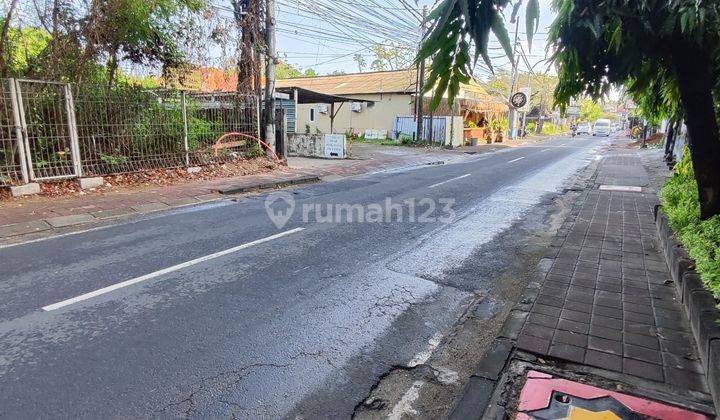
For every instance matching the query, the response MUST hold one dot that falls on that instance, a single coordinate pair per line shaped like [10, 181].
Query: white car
[602, 127]
[583, 128]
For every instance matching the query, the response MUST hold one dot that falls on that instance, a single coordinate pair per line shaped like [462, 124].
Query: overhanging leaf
[532, 20]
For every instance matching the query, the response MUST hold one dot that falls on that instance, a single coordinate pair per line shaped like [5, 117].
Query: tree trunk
[694, 74]
[112, 66]
[3, 38]
[670, 140]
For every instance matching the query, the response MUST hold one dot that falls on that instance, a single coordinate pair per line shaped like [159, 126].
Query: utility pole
[420, 95]
[270, 76]
[513, 76]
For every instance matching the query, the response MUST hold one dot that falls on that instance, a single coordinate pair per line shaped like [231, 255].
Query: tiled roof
[399, 81]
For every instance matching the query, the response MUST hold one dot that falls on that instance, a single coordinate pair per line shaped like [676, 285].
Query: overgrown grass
[701, 239]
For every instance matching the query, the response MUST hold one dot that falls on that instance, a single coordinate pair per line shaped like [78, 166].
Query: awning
[306, 96]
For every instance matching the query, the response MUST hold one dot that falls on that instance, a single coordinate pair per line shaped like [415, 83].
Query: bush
[701, 238]
[550, 129]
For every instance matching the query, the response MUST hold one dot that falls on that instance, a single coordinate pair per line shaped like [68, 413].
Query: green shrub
[255, 151]
[701, 238]
[549, 128]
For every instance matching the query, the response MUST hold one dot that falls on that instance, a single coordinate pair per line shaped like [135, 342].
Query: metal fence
[52, 130]
[433, 128]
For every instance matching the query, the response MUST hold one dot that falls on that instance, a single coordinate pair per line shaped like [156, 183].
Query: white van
[602, 127]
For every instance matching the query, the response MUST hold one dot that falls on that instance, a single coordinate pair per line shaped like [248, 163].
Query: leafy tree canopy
[459, 25]
[666, 53]
[67, 42]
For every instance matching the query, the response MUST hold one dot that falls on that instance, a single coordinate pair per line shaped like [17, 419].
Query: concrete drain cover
[547, 397]
[621, 188]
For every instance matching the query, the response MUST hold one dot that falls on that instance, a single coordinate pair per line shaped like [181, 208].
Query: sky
[325, 34]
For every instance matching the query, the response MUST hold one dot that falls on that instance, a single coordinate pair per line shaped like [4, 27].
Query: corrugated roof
[398, 81]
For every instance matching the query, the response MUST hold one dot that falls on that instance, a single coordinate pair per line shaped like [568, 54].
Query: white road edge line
[515, 160]
[449, 180]
[158, 273]
[422, 357]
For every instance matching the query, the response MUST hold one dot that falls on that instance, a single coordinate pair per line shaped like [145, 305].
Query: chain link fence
[54, 130]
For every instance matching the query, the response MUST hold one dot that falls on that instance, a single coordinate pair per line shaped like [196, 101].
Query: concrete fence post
[73, 131]
[186, 146]
[15, 103]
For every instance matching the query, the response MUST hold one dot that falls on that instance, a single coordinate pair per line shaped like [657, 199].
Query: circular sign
[519, 99]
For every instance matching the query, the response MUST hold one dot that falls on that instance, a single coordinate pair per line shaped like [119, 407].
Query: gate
[13, 169]
[49, 133]
[433, 128]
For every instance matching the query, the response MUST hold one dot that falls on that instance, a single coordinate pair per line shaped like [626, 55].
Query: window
[312, 114]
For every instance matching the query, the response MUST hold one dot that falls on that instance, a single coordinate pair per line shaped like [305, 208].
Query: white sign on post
[335, 146]
[528, 93]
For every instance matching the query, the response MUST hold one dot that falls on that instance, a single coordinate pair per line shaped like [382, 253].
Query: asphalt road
[214, 311]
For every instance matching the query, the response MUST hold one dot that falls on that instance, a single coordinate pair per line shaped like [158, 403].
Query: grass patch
[701, 238]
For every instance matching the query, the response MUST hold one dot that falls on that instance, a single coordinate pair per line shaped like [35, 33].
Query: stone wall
[311, 145]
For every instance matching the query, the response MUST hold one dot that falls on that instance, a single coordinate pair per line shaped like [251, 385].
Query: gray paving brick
[17, 229]
[107, 214]
[605, 345]
[577, 316]
[75, 219]
[643, 369]
[614, 303]
[539, 331]
[552, 311]
[638, 318]
[639, 328]
[681, 348]
[549, 301]
[640, 309]
[687, 362]
[642, 340]
[578, 306]
[576, 327]
[675, 323]
[684, 379]
[544, 320]
[604, 332]
[533, 344]
[150, 207]
[642, 353]
[605, 321]
[608, 312]
[569, 337]
[567, 352]
[603, 360]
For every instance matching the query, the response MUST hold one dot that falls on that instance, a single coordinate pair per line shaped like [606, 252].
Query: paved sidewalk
[608, 300]
[604, 306]
[39, 214]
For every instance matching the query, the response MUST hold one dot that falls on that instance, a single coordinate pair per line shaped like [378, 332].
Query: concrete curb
[40, 225]
[699, 303]
[478, 393]
[237, 189]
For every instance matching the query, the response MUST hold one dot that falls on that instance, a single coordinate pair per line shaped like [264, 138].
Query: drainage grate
[621, 188]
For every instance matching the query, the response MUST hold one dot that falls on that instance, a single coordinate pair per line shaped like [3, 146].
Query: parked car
[602, 127]
[584, 128]
[616, 127]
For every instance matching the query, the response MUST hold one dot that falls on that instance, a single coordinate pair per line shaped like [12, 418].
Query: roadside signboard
[519, 100]
[335, 146]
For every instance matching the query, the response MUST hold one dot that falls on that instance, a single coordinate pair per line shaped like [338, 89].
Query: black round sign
[518, 100]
